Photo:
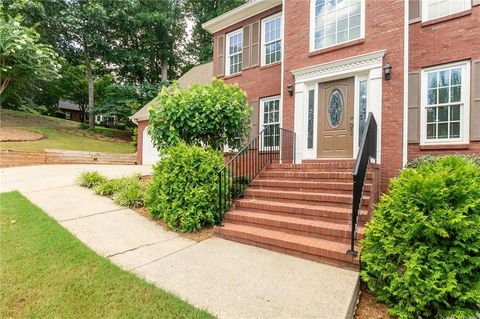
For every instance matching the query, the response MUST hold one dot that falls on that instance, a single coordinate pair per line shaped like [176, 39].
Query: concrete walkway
[228, 279]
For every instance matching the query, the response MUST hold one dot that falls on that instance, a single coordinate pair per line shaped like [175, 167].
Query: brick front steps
[303, 210]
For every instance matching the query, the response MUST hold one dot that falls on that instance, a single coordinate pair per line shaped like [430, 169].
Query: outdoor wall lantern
[387, 71]
[290, 89]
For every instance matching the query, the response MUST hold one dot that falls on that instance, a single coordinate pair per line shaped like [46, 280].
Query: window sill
[231, 76]
[445, 147]
[447, 18]
[268, 66]
[337, 47]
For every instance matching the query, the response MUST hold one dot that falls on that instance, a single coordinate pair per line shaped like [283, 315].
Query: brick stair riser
[304, 248]
[315, 232]
[309, 170]
[307, 186]
[309, 177]
[329, 162]
[305, 189]
[321, 259]
[322, 215]
[304, 198]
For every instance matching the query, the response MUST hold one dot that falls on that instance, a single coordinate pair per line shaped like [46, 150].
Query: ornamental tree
[25, 63]
[212, 115]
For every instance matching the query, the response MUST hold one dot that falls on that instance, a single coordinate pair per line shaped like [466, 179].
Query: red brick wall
[447, 41]
[140, 128]
[259, 81]
[383, 30]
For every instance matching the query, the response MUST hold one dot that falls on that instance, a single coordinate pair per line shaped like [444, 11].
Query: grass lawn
[46, 272]
[56, 138]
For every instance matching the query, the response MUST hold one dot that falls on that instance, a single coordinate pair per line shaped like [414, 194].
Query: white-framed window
[270, 121]
[234, 52]
[433, 9]
[68, 115]
[445, 104]
[272, 39]
[335, 21]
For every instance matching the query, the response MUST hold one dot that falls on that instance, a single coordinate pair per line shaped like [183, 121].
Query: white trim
[227, 51]
[236, 15]
[351, 65]
[262, 41]
[467, 5]
[356, 110]
[369, 65]
[261, 115]
[464, 110]
[312, 27]
[406, 30]
[310, 152]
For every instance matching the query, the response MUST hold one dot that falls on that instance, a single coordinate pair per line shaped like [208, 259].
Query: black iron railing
[367, 151]
[271, 144]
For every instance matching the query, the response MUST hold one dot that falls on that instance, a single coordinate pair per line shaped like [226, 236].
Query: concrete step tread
[311, 245]
[300, 223]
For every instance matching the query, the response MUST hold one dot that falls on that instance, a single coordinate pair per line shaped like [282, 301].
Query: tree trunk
[165, 66]
[91, 119]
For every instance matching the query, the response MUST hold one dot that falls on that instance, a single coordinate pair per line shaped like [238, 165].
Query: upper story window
[445, 103]
[432, 9]
[271, 39]
[234, 52]
[335, 21]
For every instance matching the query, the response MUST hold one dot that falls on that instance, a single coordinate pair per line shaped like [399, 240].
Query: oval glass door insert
[335, 108]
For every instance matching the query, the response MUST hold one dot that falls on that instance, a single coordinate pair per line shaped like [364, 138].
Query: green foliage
[417, 162]
[130, 195]
[112, 186]
[83, 126]
[184, 188]
[25, 63]
[421, 254]
[91, 179]
[239, 184]
[213, 115]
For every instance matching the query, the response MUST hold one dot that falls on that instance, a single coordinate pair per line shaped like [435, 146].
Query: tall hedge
[184, 188]
[212, 115]
[421, 254]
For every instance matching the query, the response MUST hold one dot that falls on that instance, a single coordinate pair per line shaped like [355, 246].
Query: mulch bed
[368, 307]
[11, 134]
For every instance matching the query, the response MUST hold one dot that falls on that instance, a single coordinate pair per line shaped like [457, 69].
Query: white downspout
[405, 82]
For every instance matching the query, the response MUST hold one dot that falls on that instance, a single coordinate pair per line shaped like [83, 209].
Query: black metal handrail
[271, 144]
[367, 150]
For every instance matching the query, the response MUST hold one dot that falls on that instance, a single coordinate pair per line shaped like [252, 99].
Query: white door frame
[362, 66]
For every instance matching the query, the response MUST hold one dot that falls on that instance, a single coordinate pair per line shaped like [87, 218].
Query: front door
[335, 129]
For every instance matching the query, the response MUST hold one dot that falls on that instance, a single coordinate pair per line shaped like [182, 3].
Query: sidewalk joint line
[99, 213]
[51, 188]
[143, 245]
[167, 255]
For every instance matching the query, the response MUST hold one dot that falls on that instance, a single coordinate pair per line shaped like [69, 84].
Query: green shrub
[131, 195]
[417, 162]
[184, 187]
[91, 179]
[421, 254]
[83, 126]
[239, 184]
[110, 187]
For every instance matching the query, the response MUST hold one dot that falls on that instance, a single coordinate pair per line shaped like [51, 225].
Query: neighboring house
[71, 110]
[147, 154]
[318, 68]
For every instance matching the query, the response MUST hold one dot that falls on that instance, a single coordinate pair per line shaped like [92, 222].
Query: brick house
[317, 68]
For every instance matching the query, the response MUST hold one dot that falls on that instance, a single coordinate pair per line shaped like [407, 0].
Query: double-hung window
[272, 39]
[335, 21]
[445, 103]
[433, 9]
[234, 52]
[270, 121]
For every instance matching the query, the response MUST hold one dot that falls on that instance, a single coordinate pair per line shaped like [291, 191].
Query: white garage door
[149, 153]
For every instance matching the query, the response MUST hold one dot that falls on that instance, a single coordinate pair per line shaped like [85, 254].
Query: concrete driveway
[229, 279]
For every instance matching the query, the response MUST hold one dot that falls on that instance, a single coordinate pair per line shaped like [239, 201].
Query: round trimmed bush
[184, 188]
[421, 253]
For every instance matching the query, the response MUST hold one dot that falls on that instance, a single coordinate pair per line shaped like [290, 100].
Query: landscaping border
[10, 158]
